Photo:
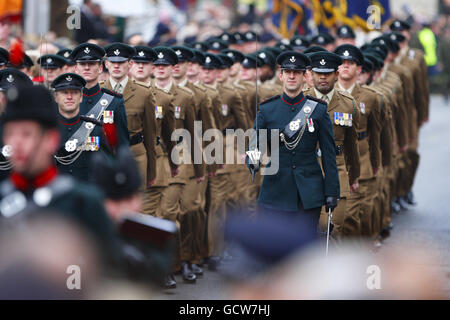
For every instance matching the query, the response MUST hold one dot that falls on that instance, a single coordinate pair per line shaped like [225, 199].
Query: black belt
[339, 150]
[137, 138]
[362, 135]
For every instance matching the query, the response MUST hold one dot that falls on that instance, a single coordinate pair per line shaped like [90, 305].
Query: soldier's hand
[174, 172]
[151, 182]
[354, 186]
[331, 203]
[404, 148]
[200, 179]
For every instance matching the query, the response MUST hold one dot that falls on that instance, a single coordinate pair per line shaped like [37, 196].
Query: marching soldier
[360, 202]
[344, 114]
[304, 123]
[70, 65]
[141, 64]
[51, 66]
[139, 106]
[88, 58]
[81, 135]
[345, 35]
[24, 66]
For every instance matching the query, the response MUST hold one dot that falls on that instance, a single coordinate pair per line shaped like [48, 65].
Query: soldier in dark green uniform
[303, 122]
[51, 65]
[89, 57]
[80, 139]
[9, 78]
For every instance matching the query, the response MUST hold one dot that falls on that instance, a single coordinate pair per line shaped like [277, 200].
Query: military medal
[362, 106]
[177, 112]
[108, 116]
[95, 143]
[307, 110]
[336, 118]
[7, 151]
[224, 110]
[158, 112]
[350, 120]
[346, 119]
[310, 125]
[103, 102]
[71, 145]
[341, 118]
[294, 125]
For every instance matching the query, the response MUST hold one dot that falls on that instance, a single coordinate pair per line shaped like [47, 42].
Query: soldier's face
[90, 70]
[3, 66]
[363, 77]
[349, 70]
[308, 78]
[162, 72]
[32, 146]
[68, 100]
[50, 74]
[340, 41]
[209, 75]
[248, 74]
[235, 69]
[324, 82]
[141, 71]
[292, 80]
[222, 74]
[118, 70]
[69, 68]
[193, 69]
[180, 70]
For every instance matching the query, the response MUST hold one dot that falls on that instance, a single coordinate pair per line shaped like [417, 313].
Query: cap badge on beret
[393, 37]
[262, 55]
[216, 45]
[69, 78]
[344, 31]
[346, 54]
[87, 50]
[320, 39]
[382, 41]
[66, 54]
[249, 36]
[292, 59]
[198, 46]
[208, 60]
[7, 151]
[116, 52]
[160, 55]
[178, 52]
[10, 78]
[397, 23]
[230, 54]
[141, 53]
[298, 41]
[225, 37]
[49, 60]
[237, 36]
[285, 41]
[322, 62]
[245, 60]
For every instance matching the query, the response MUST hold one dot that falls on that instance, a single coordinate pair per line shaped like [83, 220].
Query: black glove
[331, 203]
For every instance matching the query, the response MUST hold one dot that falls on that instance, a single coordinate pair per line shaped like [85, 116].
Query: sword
[328, 231]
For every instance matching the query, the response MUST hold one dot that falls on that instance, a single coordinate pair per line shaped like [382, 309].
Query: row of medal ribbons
[343, 119]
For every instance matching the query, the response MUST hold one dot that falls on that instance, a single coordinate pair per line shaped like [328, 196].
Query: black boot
[196, 270]
[384, 233]
[403, 204]
[395, 207]
[213, 263]
[410, 198]
[187, 273]
[169, 282]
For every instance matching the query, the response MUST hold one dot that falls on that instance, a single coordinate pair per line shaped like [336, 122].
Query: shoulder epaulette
[269, 99]
[344, 94]
[186, 89]
[315, 99]
[143, 84]
[113, 93]
[237, 85]
[198, 85]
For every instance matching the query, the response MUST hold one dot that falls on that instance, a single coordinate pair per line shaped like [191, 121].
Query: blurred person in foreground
[30, 131]
[148, 242]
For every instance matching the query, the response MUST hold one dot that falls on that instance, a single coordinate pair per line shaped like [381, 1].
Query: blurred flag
[287, 15]
[10, 10]
[355, 13]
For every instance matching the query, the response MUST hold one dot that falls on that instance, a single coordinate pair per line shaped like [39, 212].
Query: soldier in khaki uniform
[184, 111]
[344, 115]
[360, 203]
[267, 73]
[141, 64]
[139, 106]
[193, 193]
